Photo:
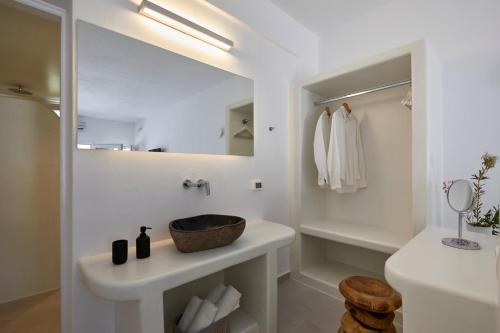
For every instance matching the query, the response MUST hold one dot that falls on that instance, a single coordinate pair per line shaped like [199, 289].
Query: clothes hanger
[245, 131]
[328, 111]
[347, 108]
[345, 105]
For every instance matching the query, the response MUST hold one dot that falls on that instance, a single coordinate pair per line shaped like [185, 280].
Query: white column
[151, 314]
[272, 291]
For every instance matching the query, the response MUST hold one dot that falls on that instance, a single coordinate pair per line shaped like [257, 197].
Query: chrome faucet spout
[205, 184]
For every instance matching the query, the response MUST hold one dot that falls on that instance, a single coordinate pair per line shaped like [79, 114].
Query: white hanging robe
[345, 158]
[321, 137]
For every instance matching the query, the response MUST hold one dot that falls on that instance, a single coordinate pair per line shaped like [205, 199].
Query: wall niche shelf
[341, 235]
[325, 262]
[331, 273]
[363, 235]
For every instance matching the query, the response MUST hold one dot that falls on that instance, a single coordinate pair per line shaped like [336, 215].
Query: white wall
[193, 125]
[385, 127]
[105, 131]
[29, 204]
[117, 192]
[272, 24]
[464, 35]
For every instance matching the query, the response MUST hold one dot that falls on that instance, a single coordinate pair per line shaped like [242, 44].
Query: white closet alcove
[340, 235]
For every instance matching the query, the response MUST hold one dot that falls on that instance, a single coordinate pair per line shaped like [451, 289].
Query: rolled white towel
[204, 317]
[228, 302]
[189, 313]
[216, 293]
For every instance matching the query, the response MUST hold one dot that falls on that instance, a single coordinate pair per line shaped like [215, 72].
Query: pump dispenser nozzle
[143, 229]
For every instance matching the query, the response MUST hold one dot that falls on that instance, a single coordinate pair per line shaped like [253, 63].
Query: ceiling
[120, 77]
[29, 51]
[390, 71]
[320, 16]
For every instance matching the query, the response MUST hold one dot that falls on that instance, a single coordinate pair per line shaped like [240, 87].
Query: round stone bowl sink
[204, 232]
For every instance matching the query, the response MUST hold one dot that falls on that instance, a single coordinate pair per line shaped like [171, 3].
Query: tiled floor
[300, 310]
[35, 314]
[303, 310]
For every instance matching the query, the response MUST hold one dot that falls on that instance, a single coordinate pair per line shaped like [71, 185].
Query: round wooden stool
[370, 305]
[376, 320]
[351, 325]
[370, 294]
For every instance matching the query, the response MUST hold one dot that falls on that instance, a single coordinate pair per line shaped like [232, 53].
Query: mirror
[461, 196]
[134, 96]
[461, 199]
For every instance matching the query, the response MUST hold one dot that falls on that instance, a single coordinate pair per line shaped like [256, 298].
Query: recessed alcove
[355, 233]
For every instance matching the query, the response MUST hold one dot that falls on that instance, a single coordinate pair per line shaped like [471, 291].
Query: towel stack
[200, 314]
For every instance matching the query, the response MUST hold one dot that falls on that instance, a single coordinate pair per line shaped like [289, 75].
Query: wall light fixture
[163, 15]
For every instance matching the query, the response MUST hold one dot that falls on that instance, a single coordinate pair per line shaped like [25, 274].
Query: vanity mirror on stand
[461, 199]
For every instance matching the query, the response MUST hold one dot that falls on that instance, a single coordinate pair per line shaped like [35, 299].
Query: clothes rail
[363, 92]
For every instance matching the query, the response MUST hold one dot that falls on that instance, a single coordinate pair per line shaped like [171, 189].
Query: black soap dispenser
[142, 244]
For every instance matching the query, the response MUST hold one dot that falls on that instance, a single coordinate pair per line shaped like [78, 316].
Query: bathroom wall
[117, 192]
[385, 127]
[29, 192]
[102, 131]
[204, 114]
[463, 34]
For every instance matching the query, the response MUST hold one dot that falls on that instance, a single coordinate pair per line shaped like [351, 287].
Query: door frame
[66, 147]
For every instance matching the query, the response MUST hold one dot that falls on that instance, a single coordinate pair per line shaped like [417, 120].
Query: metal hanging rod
[362, 92]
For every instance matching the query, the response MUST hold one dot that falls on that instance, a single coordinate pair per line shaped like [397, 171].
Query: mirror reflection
[461, 195]
[133, 96]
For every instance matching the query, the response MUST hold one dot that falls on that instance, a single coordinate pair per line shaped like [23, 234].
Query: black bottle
[142, 243]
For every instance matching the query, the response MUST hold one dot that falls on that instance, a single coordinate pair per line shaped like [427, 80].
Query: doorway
[30, 99]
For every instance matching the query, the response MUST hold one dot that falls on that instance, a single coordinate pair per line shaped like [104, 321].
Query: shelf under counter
[141, 288]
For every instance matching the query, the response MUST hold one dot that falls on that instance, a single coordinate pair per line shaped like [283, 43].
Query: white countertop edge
[127, 291]
[401, 280]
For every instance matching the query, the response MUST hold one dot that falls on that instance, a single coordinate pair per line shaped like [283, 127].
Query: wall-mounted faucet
[199, 184]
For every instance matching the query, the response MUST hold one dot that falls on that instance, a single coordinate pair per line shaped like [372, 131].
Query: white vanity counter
[144, 281]
[446, 289]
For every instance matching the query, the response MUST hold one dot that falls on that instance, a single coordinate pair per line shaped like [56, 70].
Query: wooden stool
[379, 321]
[370, 305]
[351, 325]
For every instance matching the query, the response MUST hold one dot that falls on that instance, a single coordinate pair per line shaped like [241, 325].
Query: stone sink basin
[203, 232]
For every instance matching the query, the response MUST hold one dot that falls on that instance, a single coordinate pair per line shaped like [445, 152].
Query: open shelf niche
[340, 235]
[246, 277]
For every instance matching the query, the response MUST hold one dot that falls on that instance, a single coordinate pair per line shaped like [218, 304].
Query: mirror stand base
[460, 243]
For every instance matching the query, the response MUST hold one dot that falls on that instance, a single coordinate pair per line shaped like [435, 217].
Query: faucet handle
[187, 183]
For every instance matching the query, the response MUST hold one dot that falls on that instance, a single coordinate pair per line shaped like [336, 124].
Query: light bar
[162, 15]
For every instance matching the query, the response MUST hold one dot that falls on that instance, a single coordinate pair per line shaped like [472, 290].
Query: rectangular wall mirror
[133, 96]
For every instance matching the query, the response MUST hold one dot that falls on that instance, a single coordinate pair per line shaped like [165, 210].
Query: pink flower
[446, 186]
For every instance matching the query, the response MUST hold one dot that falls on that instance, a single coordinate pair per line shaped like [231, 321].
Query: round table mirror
[461, 199]
[461, 196]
